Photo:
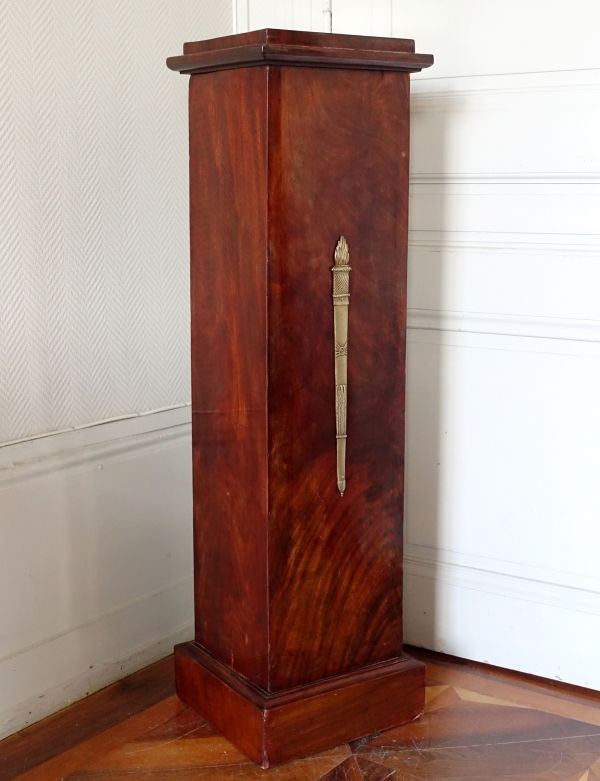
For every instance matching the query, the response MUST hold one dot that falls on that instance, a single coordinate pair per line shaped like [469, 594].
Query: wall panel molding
[505, 243]
[483, 88]
[558, 589]
[504, 325]
[501, 178]
[63, 454]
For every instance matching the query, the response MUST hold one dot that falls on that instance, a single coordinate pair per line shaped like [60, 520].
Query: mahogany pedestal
[297, 139]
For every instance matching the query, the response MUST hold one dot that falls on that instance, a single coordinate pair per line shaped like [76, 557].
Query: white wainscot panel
[285, 14]
[478, 620]
[484, 36]
[529, 127]
[503, 430]
[513, 157]
[503, 443]
[495, 284]
[500, 209]
[95, 559]
[502, 453]
[345, 16]
[357, 17]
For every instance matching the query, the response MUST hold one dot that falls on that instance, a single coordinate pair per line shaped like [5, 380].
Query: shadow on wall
[425, 436]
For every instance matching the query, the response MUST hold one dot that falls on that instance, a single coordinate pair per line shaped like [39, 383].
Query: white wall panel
[93, 231]
[501, 498]
[515, 455]
[526, 125]
[95, 559]
[357, 17]
[284, 14]
[504, 336]
[515, 280]
[482, 36]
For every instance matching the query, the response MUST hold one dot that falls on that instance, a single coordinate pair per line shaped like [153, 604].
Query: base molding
[275, 728]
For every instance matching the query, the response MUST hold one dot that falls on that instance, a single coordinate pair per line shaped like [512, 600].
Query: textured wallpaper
[94, 311]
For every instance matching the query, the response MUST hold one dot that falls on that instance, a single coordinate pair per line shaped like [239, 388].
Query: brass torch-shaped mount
[341, 301]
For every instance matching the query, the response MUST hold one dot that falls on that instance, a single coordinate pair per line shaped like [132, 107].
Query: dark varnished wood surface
[339, 162]
[264, 700]
[287, 47]
[294, 584]
[481, 724]
[275, 728]
[264, 371]
[228, 185]
[301, 38]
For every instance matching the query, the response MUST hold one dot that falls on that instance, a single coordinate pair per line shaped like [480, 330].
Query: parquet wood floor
[479, 724]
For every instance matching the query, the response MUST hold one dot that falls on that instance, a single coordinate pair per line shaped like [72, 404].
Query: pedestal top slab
[294, 47]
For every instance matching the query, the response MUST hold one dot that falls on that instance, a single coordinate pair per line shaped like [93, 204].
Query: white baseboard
[97, 677]
[537, 622]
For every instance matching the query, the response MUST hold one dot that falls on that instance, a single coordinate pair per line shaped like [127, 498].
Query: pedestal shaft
[298, 589]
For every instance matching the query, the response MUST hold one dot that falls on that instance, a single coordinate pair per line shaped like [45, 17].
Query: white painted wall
[96, 572]
[95, 522]
[502, 499]
[503, 420]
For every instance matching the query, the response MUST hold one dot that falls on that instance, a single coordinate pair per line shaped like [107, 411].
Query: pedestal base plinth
[275, 728]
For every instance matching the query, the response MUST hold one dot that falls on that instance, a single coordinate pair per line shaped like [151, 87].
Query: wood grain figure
[297, 139]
